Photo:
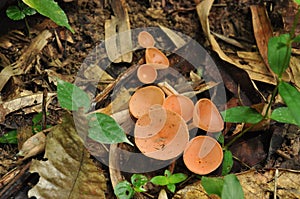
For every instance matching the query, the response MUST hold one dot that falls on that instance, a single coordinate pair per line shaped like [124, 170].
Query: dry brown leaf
[295, 70]
[262, 31]
[255, 184]
[21, 103]
[33, 146]
[68, 171]
[203, 10]
[118, 42]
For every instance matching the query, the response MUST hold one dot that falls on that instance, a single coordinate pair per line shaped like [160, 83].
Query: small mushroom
[207, 117]
[180, 104]
[203, 155]
[146, 73]
[157, 58]
[161, 134]
[145, 39]
[141, 101]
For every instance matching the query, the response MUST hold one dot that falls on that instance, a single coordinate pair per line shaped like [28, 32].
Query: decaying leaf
[21, 103]
[68, 171]
[256, 184]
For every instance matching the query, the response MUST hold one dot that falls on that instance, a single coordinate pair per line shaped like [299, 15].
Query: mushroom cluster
[161, 128]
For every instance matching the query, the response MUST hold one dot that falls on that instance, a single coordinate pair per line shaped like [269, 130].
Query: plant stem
[295, 22]
[239, 135]
[27, 26]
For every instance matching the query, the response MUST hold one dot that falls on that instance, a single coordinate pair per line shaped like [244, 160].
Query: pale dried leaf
[21, 103]
[295, 69]
[68, 171]
[33, 146]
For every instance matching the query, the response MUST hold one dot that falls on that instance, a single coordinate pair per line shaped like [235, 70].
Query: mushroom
[157, 58]
[207, 117]
[146, 73]
[141, 101]
[203, 155]
[161, 134]
[146, 40]
[180, 104]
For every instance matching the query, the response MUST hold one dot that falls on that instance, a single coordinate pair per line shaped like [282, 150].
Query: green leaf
[50, 9]
[297, 38]
[279, 53]
[14, 13]
[283, 115]
[160, 180]
[26, 9]
[171, 187]
[232, 188]
[9, 137]
[212, 185]
[177, 178]
[297, 1]
[167, 173]
[138, 181]
[105, 129]
[123, 190]
[291, 97]
[242, 114]
[71, 97]
[227, 162]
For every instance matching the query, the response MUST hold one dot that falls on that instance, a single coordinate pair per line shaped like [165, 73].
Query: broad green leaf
[291, 97]
[227, 162]
[171, 187]
[297, 1]
[283, 115]
[177, 178]
[104, 129]
[9, 137]
[50, 9]
[26, 9]
[242, 114]
[160, 180]
[14, 13]
[232, 188]
[123, 190]
[138, 181]
[279, 53]
[71, 97]
[212, 185]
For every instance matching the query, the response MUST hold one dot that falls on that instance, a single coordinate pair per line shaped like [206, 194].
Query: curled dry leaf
[33, 146]
[68, 171]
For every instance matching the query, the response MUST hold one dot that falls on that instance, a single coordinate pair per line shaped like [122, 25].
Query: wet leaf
[71, 97]
[241, 114]
[291, 97]
[68, 171]
[50, 9]
[227, 162]
[104, 129]
[212, 185]
[123, 190]
[283, 115]
[279, 53]
[232, 188]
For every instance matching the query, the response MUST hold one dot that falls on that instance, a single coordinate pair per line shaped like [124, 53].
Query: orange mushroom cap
[157, 58]
[145, 39]
[146, 73]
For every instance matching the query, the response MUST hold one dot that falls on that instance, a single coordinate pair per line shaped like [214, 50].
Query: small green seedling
[169, 180]
[227, 187]
[126, 190]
